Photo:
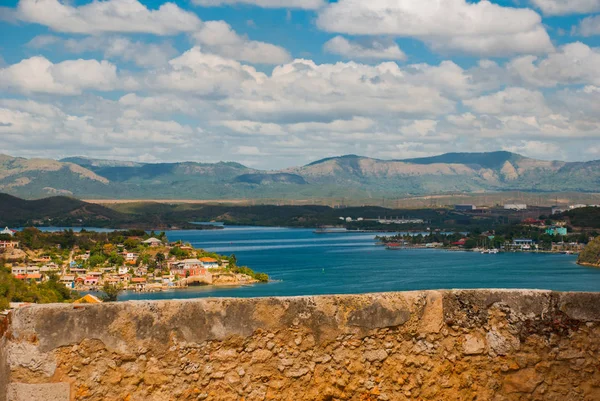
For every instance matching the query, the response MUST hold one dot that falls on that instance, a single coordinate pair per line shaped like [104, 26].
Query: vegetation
[585, 217]
[496, 238]
[110, 292]
[62, 211]
[591, 253]
[99, 251]
[14, 290]
[261, 277]
[351, 177]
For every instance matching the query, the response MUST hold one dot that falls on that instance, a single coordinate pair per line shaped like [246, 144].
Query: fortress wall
[427, 345]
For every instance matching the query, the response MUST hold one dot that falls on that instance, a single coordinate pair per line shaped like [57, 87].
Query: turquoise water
[304, 263]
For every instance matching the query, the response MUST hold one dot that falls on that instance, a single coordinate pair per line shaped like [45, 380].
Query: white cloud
[218, 37]
[203, 74]
[108, 16]
[301, 4]
[113, 47]
[54, 132]
[512, 101]
[564, 7]
[8, 14]
[158, 105]
[71, 77]
[248, 151]
[41, 41]
[479, 28]
[589, 26]
[356, 124]
[574, 63]
[304, 91]
[247, 127]
[373, 50]
[535, 148]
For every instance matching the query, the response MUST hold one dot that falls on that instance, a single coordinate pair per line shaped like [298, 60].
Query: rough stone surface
[494, 345]
[473, 345]
[39, 392]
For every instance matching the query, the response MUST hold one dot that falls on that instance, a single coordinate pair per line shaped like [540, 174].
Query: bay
[301, 262]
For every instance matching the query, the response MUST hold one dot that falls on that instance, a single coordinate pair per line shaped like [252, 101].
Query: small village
[141, 262]
[530, 235]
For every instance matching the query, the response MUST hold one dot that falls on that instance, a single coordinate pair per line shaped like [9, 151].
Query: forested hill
[57, 210]
[349, 177]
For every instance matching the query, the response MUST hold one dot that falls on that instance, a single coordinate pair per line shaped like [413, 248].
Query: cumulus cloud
[218, 37]
[108, 16]
[374, 49]
[203, 74]
[54, 131]
[113, 47]
[574, 63]
[303, 91]
[589, 26]
[564, 7]
[513, 101]
[71, 77]
[479, 28]
[300, 4]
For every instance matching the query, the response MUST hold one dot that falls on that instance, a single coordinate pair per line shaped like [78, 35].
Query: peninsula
[41, 267]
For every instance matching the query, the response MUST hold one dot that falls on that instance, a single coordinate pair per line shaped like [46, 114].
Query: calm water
[304, 263]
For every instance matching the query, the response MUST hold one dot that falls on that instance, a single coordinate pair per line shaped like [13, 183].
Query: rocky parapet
[451, 345]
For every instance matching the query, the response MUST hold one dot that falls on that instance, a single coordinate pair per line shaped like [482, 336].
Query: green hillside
[347, 177]
[58, 211]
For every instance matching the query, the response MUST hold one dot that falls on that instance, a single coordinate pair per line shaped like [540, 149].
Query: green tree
[159, 259]
[470, 243]
[111, 292]
[591, 253]
[96, 260]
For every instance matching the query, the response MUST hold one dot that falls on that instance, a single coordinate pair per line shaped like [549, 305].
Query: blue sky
[275, 83]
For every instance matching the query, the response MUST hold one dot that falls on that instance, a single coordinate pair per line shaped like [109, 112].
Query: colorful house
[209, 263]
[555, 230]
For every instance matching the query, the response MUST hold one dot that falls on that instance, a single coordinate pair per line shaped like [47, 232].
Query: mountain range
[349, 176]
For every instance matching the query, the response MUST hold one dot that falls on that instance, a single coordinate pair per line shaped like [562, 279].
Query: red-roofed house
[209, 263]
[91, 280]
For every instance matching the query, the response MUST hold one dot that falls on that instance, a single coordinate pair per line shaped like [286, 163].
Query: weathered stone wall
[431, 345]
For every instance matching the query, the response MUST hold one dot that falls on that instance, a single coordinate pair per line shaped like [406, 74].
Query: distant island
[349, 179]
[43, 267]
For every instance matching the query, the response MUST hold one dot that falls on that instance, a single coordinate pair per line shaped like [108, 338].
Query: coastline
[597, 266]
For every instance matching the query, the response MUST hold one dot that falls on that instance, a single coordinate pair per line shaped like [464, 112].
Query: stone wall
[430, 345]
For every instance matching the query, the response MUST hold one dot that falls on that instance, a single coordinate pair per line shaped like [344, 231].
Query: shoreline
[597, 266]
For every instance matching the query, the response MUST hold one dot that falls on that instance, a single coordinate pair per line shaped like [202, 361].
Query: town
[542, 234]
[131, 260]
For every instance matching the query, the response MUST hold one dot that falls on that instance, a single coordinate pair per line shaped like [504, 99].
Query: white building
[152, 242]
[7, 231]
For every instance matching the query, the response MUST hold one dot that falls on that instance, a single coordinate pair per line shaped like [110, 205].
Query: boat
[490, 251]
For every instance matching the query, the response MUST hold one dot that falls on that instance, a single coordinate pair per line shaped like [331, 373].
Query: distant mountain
[349, 176]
